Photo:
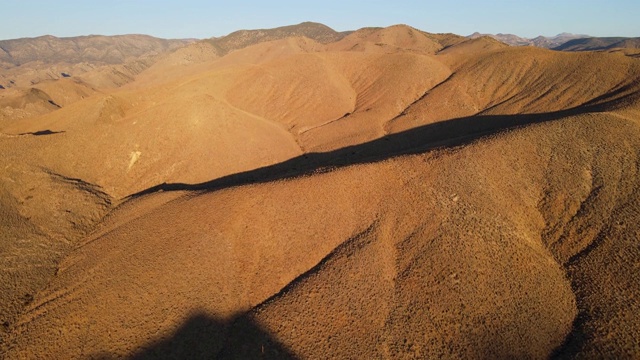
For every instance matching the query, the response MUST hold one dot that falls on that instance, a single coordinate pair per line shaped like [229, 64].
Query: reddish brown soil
[390, 194]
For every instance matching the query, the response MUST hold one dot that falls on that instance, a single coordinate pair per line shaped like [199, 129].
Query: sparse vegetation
[302, 193]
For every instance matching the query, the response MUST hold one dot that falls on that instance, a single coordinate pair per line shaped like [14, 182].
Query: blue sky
[202, 19]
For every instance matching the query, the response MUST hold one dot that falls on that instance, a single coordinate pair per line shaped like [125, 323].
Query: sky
[204, 19]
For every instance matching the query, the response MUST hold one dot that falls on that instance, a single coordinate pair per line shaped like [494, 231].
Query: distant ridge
[599, 43]
[540, 41]
[243, 38]
[93, 48]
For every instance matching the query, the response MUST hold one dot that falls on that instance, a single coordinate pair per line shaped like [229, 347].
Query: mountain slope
[547, 42]
[593, 43]
[436, 241]
[94, 49]
[388, 40]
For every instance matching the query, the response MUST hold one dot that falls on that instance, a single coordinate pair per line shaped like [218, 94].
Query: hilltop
[243, 38]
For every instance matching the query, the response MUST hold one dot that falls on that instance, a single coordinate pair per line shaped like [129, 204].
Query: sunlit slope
[475, 279]
[230, 280]
[490, 80]
[329, 100]
[41, 216]
[392, 194]
[255, 114]
[288, 84]
[445, 259]
[388, 40]
[132, 139]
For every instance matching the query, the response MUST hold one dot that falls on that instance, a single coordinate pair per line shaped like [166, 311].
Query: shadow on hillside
[575, 340]
[205, 337]
[445, 134]
[42, 133]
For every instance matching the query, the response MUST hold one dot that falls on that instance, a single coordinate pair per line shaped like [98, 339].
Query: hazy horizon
[201, 19]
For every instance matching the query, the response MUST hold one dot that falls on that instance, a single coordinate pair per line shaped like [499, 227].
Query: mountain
[302, 193]
[95, 61]
[628, 43]
[508, 39]
[243, 38]
[565, 41]
[540, 41]
[93, 49]
[599, 43]
[551, 42]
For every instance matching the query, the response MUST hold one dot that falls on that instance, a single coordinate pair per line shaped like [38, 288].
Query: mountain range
[565, 41]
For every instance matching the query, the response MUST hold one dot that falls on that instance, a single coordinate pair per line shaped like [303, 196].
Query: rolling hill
[303, 193]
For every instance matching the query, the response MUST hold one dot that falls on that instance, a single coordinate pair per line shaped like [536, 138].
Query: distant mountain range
[599, 43]
[93, 48]
[540, 41]
[566, 41]
[102, 50]
[50, 57]
[97, 49]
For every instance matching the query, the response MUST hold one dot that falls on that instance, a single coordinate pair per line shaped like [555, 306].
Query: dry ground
[387, 193]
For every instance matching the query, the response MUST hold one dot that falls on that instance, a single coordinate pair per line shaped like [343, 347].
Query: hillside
[29, 61]
[106, 62]
[628, 43]
[302, 193]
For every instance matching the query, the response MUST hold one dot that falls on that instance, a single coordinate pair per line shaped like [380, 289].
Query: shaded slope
[47, 96]
[631, 43]
[123, 143]
[591, 44]
[199, 337]
[237, 284]
[18, 104]
[214, 104]
[433, 315]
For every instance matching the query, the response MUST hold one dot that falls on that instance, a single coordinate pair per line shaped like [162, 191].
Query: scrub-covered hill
[386, 193]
